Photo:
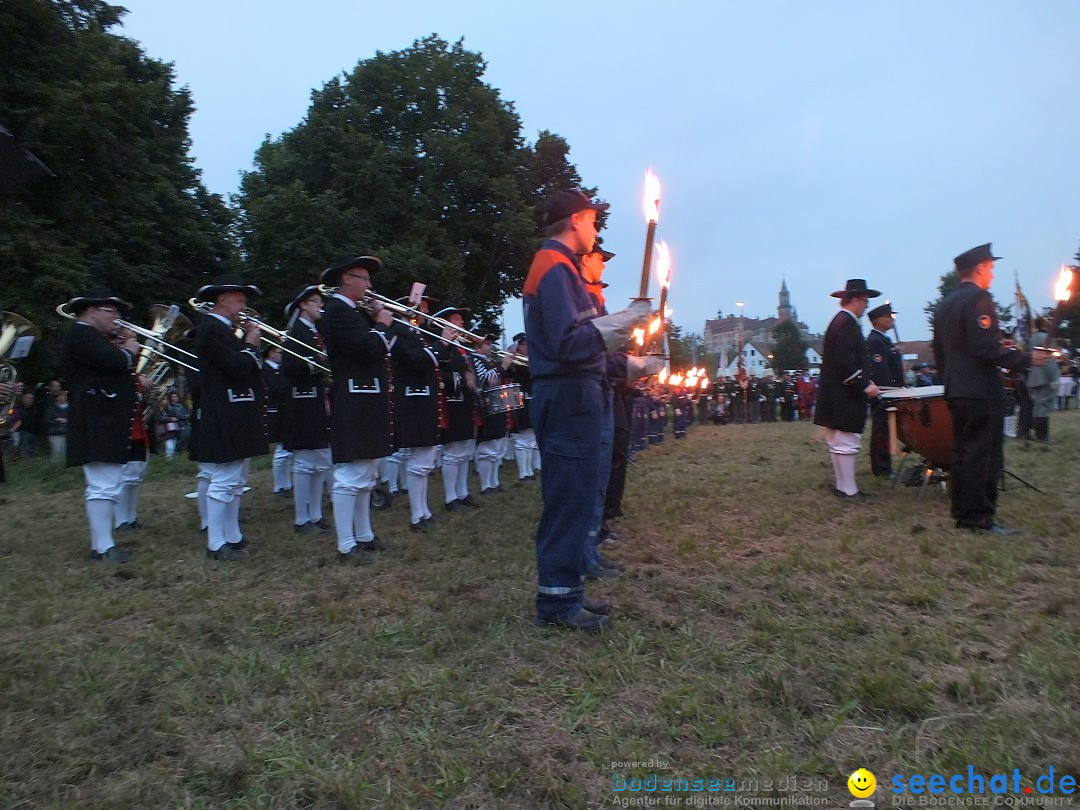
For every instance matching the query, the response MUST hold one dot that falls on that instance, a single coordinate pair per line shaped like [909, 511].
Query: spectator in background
[56, 416]
[166, 428]
[1066, 388]
[180, 412]
[29, 419]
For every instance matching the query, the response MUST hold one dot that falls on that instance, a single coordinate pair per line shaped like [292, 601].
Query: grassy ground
[762, 632]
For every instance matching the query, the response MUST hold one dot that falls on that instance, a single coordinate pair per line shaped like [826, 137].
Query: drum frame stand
[927, 477]
[1027, 484]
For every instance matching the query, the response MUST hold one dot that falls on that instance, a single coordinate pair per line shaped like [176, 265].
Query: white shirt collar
[221, 318]
[347, 300]
[304, 320]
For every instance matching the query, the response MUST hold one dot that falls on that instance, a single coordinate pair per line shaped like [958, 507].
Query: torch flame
[639, 337]
[704, 382]
[651, 200]
[654, 325]
[663, 264]
[1062, 289]
[662, 376]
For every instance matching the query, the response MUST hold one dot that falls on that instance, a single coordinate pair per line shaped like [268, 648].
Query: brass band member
[459, 432]
[276, 386]
[361, 423]
[306, 412]
[100, 377]
[526, 452]
[126, 513]
[493, 428]
[231, 402]
[417, 414]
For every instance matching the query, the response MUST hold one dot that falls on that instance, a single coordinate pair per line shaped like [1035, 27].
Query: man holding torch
[567, 359]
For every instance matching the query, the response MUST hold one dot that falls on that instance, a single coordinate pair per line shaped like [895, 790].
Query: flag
[1023, 314]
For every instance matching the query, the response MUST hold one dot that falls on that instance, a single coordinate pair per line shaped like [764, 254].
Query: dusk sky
[813, 141]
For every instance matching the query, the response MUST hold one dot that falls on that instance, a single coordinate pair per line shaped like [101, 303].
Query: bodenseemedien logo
[862, 784]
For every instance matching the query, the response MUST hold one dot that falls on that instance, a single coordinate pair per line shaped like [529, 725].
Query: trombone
[251, 316]
[153, 339]
[397, 307]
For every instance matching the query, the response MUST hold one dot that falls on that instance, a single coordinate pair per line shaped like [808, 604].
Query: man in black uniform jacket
[886, 370]
[358, 341]
[970, 355]
[101, 379]
[845, 385]
[276, 387]
[231, 402]
[305, 423]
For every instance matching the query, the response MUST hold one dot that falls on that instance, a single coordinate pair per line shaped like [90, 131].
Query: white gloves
[616, 328]
[638, 367]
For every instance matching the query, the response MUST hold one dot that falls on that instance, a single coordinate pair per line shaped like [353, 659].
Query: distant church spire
[783, 311]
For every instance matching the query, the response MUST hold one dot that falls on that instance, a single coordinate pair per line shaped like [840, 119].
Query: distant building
[722, 336]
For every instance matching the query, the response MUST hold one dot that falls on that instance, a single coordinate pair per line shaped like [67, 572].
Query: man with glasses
[358, 343]
[101, 379]
[844, 386]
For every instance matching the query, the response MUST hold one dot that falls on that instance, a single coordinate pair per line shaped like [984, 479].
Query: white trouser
[843, 448]
[282, 480]
[488, 455]
[455, 468]
[508, 448]
[57, 447]
[524, 450]
[127, 506]
[223, 502]
[104, 483]
[309, 473]
[419, 465]
[202, 486]
[353, 483]
[1009, 426]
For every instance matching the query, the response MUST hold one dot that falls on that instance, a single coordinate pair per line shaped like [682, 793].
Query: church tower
[783, 312]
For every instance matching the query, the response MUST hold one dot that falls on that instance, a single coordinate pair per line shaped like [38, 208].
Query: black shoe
[597, 606]
[858, 497]
[618, 565]
[356, 556]
[134, 526]
[430, 519]
[307, 528]
[322, 524]
[375, 544]
[455, 506]
[582, 620]
[419, 528]
[228, 552]
[469, 502]
[283, 493]
[113, 555]
[243, 544]
[599, 572]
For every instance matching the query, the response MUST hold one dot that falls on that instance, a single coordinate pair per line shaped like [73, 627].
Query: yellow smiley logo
[861, 783]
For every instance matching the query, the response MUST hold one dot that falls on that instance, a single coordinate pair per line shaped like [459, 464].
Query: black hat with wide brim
[447, 311]
[301, 296]
[94, 297]
[331, 275]
[856, 286]
[225, 284]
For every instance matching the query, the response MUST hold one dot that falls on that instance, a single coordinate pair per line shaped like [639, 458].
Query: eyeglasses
[363, 276]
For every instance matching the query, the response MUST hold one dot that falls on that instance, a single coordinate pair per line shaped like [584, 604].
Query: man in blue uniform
[567, 345]
[970, 355]
[887, 371]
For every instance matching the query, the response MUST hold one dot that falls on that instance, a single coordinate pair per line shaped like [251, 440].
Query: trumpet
[371, 297]
[251, 316]
[153, 339]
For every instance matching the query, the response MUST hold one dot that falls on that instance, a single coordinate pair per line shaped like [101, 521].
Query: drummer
[492, 428]
[887, 371]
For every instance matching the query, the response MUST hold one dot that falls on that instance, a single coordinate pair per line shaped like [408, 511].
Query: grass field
[762, 632]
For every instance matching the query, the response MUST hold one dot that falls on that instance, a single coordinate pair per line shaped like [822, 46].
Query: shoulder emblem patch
[985, 321]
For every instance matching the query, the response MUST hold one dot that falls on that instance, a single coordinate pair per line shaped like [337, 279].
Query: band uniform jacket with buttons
[967, 345]
[276, 387]
[231, 398]
[886, 368]
[460, 398]
[305, 422]
[489, 375]
[101, 413]
[841, 394]
[520, 375]
[361, 421]
[416, 390]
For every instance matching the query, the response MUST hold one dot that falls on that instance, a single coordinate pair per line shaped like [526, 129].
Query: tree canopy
[126, 207]
[410, 156]
[789, 347]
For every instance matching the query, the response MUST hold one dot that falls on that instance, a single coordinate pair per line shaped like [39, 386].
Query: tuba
[12, 328]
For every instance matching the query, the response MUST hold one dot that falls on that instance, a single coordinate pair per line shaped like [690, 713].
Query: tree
[126, 207]
[789, 347]
[410, 156]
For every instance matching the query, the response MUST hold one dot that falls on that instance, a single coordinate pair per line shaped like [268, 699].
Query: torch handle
[646, 264]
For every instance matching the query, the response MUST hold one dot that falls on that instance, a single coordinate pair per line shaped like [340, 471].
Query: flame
[639, 337]
[663, 263]
[654, 325]
[662, 376]
[1062, 289]
[704, 382]
[675, 379]
[651, 199]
